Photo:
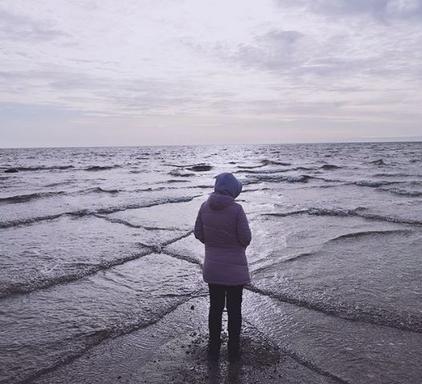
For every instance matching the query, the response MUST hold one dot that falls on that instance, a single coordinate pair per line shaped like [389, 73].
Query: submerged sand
[174, 350]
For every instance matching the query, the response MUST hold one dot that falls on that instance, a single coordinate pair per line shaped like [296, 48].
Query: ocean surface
[96, 244]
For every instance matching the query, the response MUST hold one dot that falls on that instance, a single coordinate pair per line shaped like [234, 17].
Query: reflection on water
[232, 374]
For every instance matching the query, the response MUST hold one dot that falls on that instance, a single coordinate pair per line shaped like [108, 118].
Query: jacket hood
[227, 184]
[217, 201]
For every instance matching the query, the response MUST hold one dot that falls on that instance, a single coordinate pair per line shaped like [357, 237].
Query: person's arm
[243, 231]
[199, 228]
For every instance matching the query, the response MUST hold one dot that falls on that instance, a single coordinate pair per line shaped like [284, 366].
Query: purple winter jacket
[223, 227]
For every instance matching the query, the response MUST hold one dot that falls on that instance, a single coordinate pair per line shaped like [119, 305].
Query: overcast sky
[138, 72]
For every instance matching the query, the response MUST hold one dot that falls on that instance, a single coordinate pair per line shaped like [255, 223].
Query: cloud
[93, 94]
[276, 49]
[295, 54]
[378, 9]
[157, 62]
[23, 28]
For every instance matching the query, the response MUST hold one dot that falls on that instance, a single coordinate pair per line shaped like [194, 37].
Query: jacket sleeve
[243, 231]
[199, 228]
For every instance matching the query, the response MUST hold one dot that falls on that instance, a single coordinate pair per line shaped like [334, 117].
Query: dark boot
[234, 350]
[214, 349]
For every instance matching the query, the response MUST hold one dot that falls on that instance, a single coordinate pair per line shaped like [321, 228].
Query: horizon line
[404, 139]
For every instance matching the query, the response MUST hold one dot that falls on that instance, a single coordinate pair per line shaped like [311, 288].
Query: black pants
[232, 297]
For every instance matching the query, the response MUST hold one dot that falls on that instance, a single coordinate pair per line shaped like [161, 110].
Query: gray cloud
[18, 27]
[275, 50]
[379, 9]
[111, 96]
[292, 53]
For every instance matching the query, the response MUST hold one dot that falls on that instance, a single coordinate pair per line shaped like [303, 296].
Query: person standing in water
[223, 227]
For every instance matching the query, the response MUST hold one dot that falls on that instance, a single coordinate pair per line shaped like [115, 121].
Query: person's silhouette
[223, 227]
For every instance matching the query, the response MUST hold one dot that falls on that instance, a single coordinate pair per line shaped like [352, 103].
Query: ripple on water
[174, 215]
[286, 236]
[356, 277]
[68, 248]
[355, 352]
[50, 326]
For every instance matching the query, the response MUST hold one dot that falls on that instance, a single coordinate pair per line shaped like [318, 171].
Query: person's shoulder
[237, 206]
[204, 204]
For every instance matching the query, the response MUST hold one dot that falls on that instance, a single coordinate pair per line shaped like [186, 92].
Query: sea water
[96, 243]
